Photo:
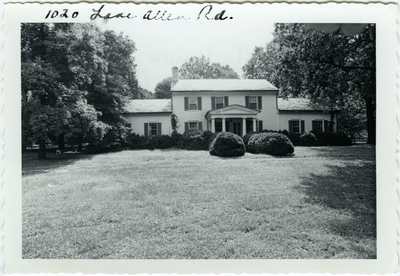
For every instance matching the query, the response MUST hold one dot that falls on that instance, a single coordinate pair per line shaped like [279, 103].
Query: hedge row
[190, 140]
[310, 139]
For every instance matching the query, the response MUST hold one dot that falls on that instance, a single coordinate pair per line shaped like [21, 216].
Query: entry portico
[233, 118]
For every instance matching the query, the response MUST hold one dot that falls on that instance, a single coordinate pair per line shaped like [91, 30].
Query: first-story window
[128, 125]
[193, 103]
[193, 125]
[318, 126]
[153, 129]
[294, 126]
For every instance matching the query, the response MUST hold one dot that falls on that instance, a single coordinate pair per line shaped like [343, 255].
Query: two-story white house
[234, 105]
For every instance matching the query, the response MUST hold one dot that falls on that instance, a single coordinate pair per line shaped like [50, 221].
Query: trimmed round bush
[270, 143]
[246, 138]
[227, 144]
[308, 139]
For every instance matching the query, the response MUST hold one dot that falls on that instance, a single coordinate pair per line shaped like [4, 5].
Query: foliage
[194, 139]
[270, 143]
[308, 139]
[332, 69]
[174, 123]
[144, 93]
[163, 89]
[247, 137]
[79, 77]
[227, 144]
[202, 68]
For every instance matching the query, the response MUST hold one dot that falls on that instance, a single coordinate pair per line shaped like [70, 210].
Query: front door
[237, 128]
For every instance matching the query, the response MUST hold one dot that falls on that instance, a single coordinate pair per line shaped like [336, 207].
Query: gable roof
[148, 106]
[222, 85]
[233, 109]
[299, 104]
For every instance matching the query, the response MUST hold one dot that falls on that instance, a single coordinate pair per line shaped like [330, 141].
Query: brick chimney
[174, 76]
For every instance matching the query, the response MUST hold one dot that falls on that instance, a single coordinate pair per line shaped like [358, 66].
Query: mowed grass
[176, 204]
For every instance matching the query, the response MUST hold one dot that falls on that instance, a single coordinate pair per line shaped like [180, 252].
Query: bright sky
[164, 44]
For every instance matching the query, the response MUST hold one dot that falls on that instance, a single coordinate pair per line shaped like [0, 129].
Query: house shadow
[31, 165]
[351, 190]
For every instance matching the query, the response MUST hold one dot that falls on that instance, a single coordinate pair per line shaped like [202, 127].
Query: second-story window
[253, 102]
[193, 103]
[219, 102]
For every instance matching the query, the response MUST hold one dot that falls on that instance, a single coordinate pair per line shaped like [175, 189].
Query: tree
[163, 89]
[201, 68]
[144, 93]
[326, 67]
[80, 73]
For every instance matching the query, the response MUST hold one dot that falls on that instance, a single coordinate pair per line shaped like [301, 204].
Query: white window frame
[253, 100]
[193, 103]
[219, 101]
[293, 126]
[193, 123]
[151, 129]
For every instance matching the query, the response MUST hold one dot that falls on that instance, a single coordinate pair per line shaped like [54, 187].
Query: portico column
[212, 125]
[223, 125]
[254, 125]
[244, 126]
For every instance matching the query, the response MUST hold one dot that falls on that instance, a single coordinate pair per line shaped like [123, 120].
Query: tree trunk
[42, 149]
[61, 142]
[24, 142]
[371, 124]
[80, 146]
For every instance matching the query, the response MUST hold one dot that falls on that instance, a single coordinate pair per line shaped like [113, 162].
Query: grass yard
[176, 204]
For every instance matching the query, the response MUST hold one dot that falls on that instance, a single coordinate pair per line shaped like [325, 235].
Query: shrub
[197, 139]
[308, 139]
[159, 142]
[339, 139]
[270, 143]
[227, 144]
[295, 138]
[332, 139]
[247, 137]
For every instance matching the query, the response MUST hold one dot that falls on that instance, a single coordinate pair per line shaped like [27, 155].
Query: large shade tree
[329, 66]
[75, 79]
[202, 68]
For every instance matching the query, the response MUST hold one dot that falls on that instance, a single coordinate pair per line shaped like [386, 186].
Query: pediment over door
[232, 111]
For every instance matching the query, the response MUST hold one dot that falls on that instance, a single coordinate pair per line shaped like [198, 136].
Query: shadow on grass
[350, 190]
[32, 165]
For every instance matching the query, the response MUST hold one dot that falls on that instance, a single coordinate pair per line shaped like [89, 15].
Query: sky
[164, 44]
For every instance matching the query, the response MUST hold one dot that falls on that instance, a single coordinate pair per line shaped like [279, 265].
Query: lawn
[176, 204]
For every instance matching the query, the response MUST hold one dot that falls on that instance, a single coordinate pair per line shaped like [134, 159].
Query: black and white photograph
[202, 132]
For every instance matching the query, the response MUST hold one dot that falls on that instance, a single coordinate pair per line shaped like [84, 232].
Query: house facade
[233, 105]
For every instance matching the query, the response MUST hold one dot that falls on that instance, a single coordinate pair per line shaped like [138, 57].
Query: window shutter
[199, 103]
[260, 125]
[212, 103]
[200, 125]
[159, 129]
[326, 126]
[314, 125]
[186, 126]
[247, 101]
[259, 102]
[186, 103]
[302, 126]
[290, 126]
[226, 99]
[146, 129]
